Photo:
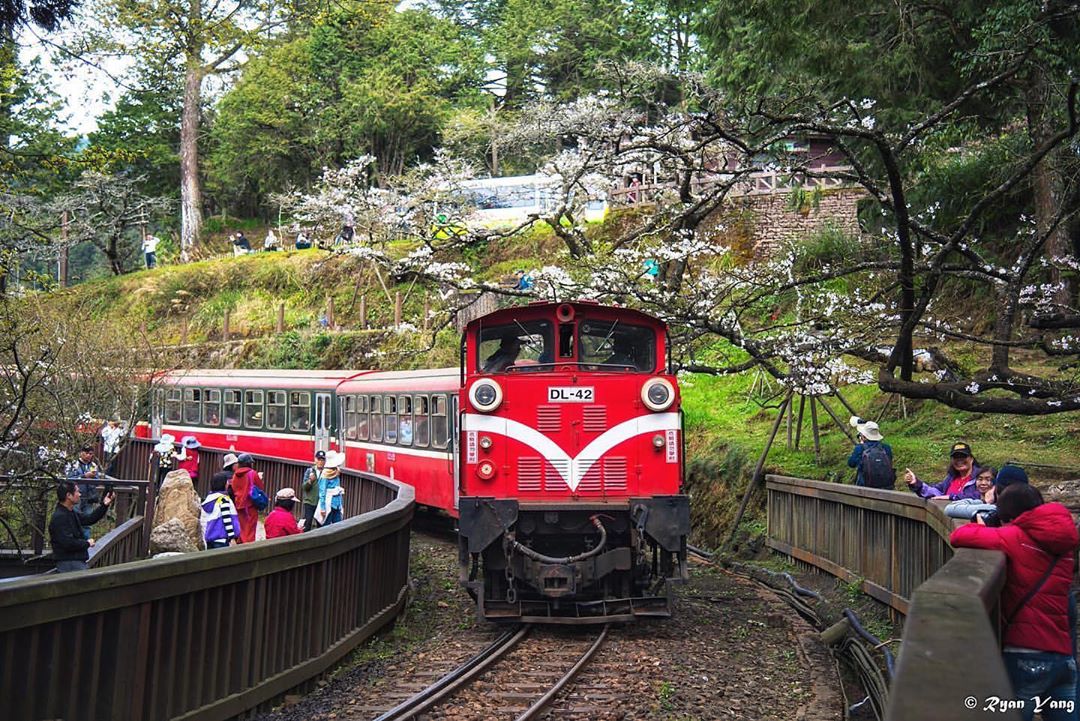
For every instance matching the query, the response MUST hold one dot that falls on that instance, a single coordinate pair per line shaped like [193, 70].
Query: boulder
[171, 536]
[177, 501]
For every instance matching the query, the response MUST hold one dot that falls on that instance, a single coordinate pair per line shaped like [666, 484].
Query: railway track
[518, 676]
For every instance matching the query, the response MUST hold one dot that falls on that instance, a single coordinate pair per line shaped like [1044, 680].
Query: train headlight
[485, 395]
[658, 394]
[486, 470]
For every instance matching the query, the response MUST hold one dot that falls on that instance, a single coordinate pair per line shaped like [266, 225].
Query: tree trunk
[1047, 186]
[8, 72]
[190, 190]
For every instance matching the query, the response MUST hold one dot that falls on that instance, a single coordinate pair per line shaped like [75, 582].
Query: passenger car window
[362, 418]
[299, 410]
[405, 420]
[172, 406]
[233, 407]
[420, 421]
[212, 407]
[253, 409]
[376, 418]
[192, 406]
[438, 422]
[390, 428]
[348, 410]
[275, 410]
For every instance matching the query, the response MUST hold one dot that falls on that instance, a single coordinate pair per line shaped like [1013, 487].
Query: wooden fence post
[397, 309]
[225, 327]
[330, 312]
[363, 312]
[281, 318]
[427, 312]
[184, 330]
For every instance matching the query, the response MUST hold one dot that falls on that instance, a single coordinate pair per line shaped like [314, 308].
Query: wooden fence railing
[206, 635]
[895, 545]
[888, 541]
[760, 182]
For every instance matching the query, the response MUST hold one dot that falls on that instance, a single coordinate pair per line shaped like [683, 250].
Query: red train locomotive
[557, 444]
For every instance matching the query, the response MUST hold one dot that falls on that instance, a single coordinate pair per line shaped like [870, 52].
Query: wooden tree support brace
[756, 478]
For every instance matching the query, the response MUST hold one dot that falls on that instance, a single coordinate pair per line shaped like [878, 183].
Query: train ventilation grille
[555, 474]
[530, 474]
[607, 474]
[548, 419]
[594, 419]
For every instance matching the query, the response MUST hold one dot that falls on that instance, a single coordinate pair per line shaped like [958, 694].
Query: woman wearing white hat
[872, 456]
[330, 490]
[165, 454]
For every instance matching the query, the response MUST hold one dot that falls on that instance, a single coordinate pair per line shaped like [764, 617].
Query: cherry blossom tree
[867, 315]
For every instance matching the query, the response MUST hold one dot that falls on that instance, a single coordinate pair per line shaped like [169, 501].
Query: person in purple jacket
[959, 479]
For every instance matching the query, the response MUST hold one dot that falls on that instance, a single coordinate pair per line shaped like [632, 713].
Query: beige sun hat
[335, 459]
[870, 431]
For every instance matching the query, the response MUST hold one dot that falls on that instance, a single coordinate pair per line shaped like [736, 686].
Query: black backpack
[877, 467]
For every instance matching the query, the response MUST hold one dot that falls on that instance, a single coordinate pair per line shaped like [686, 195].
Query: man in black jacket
[69, 546]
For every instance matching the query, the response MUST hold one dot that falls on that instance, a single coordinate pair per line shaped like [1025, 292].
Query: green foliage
[362, 80]
[828, 246]
[144, 129]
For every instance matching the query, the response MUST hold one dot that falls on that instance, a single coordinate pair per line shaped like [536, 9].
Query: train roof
[428, 379]
[590, 308]
[265, 378]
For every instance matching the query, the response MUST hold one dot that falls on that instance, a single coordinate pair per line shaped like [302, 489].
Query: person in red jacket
[281, 521]
[1039, 541]
[244, 477]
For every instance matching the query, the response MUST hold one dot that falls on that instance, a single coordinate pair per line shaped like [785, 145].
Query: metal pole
[755, 479]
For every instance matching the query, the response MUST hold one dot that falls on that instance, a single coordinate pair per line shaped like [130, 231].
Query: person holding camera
[70, 541]
[1039, 541]
[872, 457]
[959, 481]
[86, 473]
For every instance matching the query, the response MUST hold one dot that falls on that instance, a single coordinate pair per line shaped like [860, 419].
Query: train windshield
[515, 347]
[615, 345]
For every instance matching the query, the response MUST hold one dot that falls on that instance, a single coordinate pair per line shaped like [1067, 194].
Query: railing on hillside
[895, 545]
[887, 541]
[760, 182]
[207, 635]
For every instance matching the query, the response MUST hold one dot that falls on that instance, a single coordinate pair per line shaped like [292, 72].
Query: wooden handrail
[895, 545]
[205, 635]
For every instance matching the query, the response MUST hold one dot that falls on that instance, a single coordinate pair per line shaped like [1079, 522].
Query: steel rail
[456, 679]
[544, 701]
